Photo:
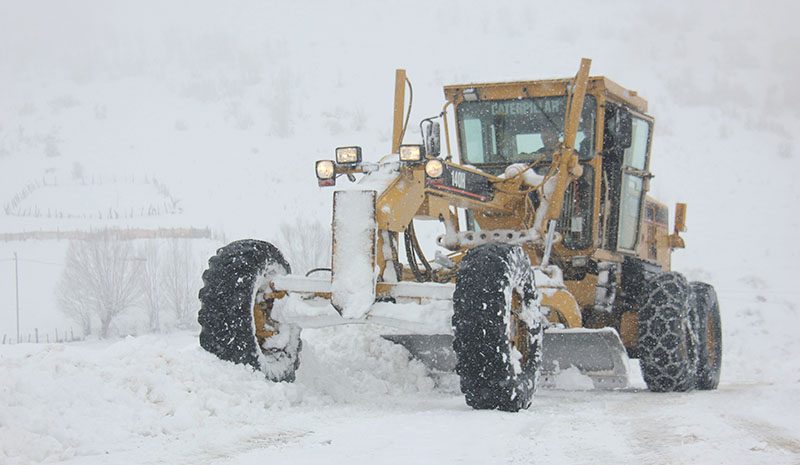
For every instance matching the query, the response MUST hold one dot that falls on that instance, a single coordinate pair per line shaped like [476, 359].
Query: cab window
[520, 130]
[632, 189]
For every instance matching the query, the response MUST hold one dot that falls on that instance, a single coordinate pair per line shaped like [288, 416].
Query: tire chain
[668, 337]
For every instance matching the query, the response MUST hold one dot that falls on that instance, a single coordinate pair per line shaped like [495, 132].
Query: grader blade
[435, 351]
[597, 354]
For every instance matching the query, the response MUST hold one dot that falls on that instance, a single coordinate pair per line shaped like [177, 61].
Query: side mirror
[680, 217]
[675, 240]
[618, 128]
[431, 137]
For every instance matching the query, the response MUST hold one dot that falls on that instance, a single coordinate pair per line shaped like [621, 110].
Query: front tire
[235, 283]
[497, 327]
[667, 334]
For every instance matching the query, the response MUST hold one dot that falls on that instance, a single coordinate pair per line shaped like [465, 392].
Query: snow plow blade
[435, 351]
[597, 354]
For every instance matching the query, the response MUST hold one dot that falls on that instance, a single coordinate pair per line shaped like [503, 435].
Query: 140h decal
[462, 182]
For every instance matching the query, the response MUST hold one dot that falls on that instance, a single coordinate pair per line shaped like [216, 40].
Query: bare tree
[99, 279]
[150, 283]
[180, 281]
[74, 305]
[305, 245]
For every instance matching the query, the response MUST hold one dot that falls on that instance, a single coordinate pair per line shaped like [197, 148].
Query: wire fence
[43, 337]
[120, 233]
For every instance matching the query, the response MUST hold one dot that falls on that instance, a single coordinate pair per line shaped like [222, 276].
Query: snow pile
[73, 400]
[353, 365]
[359, 399]
[571, 379]
[92, 399]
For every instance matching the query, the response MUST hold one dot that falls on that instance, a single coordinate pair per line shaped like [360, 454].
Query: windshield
[520, 130]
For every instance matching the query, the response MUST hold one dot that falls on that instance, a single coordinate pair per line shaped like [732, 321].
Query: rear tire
[709, 332]
[497, 328]
[667, 334]
[237, 277]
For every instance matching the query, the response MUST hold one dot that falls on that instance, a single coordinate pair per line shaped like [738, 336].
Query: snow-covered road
[359, 399]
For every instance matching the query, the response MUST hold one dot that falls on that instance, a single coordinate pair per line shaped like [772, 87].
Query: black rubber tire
[667, 334]
[709, 332]
[482, 328]
[235, 275]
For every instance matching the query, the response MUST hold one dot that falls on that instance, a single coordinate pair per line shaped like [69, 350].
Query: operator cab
[495, 134]
[502, 124]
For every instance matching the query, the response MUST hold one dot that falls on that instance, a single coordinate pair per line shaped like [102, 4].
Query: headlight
[470, 95]
[434, 168]
[325, 169]
[579, 261]
[348, 155]
[410, 152]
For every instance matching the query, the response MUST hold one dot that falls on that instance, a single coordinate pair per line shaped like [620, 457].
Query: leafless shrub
[150, 283]
[99, 281]
[305, 244]
[181, 281]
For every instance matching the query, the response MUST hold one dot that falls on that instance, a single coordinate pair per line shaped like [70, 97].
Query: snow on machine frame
[556, 256]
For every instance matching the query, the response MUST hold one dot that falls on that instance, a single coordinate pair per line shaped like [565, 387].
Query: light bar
[470, 95]
[410, 152]
[326, 173]
[348, 155]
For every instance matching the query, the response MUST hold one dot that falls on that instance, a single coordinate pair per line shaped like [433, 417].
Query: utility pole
[16, 283]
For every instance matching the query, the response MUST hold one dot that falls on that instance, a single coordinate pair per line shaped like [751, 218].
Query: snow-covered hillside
[209, 115]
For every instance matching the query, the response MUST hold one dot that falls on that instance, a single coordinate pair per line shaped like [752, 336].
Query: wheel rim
[519, 331]
[262, 317]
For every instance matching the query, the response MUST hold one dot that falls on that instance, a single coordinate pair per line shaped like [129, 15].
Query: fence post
[16, 287]
[56, 334]
[36, 331]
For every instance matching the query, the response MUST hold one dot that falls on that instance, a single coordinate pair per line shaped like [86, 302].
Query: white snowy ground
[229, 105]
[358, 399]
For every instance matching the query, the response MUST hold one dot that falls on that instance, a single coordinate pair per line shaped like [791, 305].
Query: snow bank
[359, 399]
[90, 399]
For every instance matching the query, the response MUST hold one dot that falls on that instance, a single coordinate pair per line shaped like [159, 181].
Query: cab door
[635, 176]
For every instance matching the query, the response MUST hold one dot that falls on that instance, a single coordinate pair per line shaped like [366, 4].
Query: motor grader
[552, 256]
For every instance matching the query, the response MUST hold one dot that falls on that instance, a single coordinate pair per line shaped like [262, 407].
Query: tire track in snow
[768, 435]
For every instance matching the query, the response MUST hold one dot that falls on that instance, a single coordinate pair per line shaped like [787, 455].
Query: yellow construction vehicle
[552, 254]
